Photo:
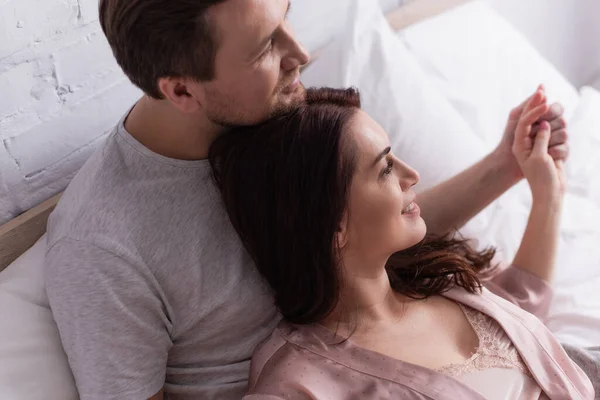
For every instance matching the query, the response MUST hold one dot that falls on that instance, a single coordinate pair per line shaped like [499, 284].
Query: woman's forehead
[369, 136]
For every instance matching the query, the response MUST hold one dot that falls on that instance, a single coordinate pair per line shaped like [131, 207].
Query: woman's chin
[418, 230]
[414, 236]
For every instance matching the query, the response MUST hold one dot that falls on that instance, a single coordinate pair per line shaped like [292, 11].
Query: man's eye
[267, 50]
[269, 46]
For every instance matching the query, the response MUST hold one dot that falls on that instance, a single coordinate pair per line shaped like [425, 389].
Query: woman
[372, 307]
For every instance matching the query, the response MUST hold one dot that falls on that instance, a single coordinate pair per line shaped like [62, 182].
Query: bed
[470, 88]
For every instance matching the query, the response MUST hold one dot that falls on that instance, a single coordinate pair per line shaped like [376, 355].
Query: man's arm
[111, 320]
[451, 204]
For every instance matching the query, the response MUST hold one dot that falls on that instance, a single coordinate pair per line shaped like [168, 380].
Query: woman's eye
[388, 170]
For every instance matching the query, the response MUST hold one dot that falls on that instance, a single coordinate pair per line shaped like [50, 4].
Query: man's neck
[167, 131]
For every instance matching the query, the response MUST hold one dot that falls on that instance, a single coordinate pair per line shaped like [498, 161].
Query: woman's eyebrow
[382, 154]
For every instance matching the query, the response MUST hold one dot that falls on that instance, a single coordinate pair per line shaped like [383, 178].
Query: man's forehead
[247, 19]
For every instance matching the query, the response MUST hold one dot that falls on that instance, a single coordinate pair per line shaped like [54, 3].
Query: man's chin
[285, 103]
[294, 99]
[289, 102]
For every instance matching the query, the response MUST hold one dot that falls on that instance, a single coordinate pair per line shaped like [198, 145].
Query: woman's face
[382, 216]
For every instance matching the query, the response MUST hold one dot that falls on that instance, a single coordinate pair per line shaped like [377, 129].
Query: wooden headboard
[19, 234]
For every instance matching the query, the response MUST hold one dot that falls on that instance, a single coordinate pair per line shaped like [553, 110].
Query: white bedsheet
[575, 313]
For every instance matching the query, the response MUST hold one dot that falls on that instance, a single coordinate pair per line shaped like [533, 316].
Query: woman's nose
[410, 177]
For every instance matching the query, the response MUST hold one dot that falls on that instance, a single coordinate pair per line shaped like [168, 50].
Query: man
[152, 292]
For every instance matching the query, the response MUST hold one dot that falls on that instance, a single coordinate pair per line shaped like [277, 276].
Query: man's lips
[292, 86]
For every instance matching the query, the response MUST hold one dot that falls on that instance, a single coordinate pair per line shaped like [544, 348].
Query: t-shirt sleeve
[113, 324]
[521, 288]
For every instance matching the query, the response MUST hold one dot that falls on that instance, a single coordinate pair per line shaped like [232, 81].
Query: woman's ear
[341, 236]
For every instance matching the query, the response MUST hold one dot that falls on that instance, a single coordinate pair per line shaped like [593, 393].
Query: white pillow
[483, 66]
[584, 138]
[424, 130]
[317, 22]
[33, 363]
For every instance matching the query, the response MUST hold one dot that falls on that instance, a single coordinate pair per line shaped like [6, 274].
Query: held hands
[558, 147]
[544, 173]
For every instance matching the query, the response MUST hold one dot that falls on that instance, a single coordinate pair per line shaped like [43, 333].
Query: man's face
[257, 65]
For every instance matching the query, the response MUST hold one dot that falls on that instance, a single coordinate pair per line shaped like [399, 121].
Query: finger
[555, 111]
[559, 152]
[536, 99]
[540, 146]
[555, 125]
[560, 164]
[531, 116]
[516, 112]
[558, 137]
[523, 140]
[558, 123]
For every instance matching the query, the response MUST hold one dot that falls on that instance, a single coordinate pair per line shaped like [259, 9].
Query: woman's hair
[285, 185]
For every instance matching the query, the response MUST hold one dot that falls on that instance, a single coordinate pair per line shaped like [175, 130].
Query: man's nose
[296, 54]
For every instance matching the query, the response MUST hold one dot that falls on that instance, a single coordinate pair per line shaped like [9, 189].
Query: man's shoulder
[120, 193]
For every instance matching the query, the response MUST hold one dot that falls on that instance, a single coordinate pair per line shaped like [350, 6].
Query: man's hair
[153, 39]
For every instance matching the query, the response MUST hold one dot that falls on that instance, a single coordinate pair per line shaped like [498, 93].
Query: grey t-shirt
[148, 282]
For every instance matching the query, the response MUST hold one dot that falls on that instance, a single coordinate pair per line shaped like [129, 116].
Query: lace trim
[492, 351]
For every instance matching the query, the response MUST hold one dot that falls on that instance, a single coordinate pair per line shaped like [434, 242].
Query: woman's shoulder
[268, 352]
[285, 360]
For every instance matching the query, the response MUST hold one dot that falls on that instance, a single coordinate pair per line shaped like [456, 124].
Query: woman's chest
[433, 336]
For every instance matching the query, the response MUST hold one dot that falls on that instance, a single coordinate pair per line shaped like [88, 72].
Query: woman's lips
[411, 210]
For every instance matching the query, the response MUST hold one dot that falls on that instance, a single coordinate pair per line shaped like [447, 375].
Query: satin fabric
[310, 362]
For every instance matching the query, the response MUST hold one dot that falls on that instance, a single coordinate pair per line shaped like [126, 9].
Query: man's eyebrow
[263, 43]
[382, 154]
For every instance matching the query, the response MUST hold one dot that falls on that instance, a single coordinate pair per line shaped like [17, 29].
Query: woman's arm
[537, 253]
[451, 204]
[546, 178]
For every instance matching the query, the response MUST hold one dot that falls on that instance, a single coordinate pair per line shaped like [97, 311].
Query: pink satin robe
[306, 362]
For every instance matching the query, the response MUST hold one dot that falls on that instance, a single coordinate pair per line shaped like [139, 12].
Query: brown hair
[285, 186]
[152, 39]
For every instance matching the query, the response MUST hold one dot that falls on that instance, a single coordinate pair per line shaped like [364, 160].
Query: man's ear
[177, 91]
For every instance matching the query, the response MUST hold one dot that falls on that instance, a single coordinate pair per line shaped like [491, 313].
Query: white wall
[60, 91]
[567, 32]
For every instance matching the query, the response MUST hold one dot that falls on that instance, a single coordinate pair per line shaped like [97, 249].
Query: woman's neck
[366, 300]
